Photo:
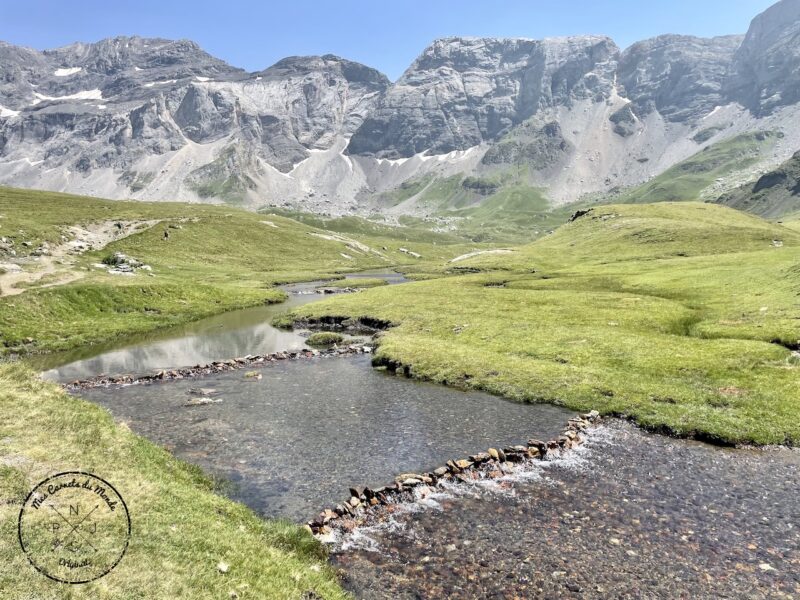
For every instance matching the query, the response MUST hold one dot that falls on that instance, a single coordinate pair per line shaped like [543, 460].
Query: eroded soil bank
[627, 515]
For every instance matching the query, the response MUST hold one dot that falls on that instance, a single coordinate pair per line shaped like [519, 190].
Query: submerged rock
[202, 401]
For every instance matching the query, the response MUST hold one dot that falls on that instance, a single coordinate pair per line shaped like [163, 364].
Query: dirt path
[58, 266]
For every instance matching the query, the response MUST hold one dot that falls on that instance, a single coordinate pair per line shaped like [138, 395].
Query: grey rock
[88, 107]
[464, 91]
[538, 148]
[159, 119]
[765, 74]
[772, 195]
[625, 121]
[681, 77]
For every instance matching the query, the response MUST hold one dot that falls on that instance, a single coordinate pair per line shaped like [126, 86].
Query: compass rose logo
[74, 527]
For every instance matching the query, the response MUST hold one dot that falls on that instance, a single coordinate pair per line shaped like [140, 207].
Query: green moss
[324, 338]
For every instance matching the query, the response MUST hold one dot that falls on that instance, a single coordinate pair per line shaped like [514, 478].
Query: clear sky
[384, 34]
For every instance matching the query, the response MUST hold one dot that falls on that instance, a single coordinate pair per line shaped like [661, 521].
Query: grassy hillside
[679, 315]
[500, 209]
[687, 180]
[216, 259]
[181, 530]
[773, 195]
[608, 234]
[418, 231]
[515, 213]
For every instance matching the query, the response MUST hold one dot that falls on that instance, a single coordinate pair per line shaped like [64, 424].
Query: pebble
[726, 503]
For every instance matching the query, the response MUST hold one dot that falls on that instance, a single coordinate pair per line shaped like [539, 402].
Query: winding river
[294, 440]
[626, 515]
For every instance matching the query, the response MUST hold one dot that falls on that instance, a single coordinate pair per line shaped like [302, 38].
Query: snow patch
[295, 165]
[269, 223]
[165, 82]
[713, 112]
[394, 161]
[480, 252]
[7, 112]
[424, 157]
[67, 72]
[85, 95]
[136, 69]
[202, 79]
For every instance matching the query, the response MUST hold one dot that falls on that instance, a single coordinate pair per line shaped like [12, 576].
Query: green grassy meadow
[216, 259]
[682, 316]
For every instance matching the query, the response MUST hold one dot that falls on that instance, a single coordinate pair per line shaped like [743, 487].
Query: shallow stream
[293, 441]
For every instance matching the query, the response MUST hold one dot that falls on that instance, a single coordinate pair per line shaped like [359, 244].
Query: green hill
[688, 180]
[216, 258]
[682, 316]
[773, 195]
[624, 232]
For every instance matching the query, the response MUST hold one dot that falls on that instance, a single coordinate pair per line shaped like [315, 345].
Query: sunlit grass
[678, 315]
[181, 529]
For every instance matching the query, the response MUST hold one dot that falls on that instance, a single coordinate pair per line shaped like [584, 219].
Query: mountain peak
[352, 71]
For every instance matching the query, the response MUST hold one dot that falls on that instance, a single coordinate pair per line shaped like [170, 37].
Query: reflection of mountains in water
[221, 337]
[185, 351]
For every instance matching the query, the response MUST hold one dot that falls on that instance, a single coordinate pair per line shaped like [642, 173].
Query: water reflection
[224, 336]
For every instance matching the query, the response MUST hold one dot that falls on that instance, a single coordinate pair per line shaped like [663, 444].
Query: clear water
[220, 337]
[293, 442]
[627, 515]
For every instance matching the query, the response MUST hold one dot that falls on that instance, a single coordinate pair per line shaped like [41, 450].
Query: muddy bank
[628, 514]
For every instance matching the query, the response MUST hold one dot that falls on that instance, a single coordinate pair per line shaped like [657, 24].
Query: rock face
[463, 91]
[680, 77]
[766, 70]
[110, 106]
[163, 120]
[774, 194]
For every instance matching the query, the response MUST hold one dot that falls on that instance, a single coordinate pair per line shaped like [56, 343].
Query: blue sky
[385, 35]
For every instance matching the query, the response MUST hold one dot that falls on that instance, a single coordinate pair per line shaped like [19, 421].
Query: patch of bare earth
[56, 266]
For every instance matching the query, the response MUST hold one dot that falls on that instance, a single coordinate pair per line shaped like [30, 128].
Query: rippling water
[293, 442]
[628, 515]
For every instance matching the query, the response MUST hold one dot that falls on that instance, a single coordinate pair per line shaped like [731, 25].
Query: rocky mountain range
[576, 117]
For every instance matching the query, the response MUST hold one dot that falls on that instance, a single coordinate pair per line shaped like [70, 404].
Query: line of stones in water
[219, 366]
[365, 504]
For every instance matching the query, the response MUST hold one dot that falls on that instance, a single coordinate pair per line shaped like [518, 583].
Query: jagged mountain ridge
[161, 119]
